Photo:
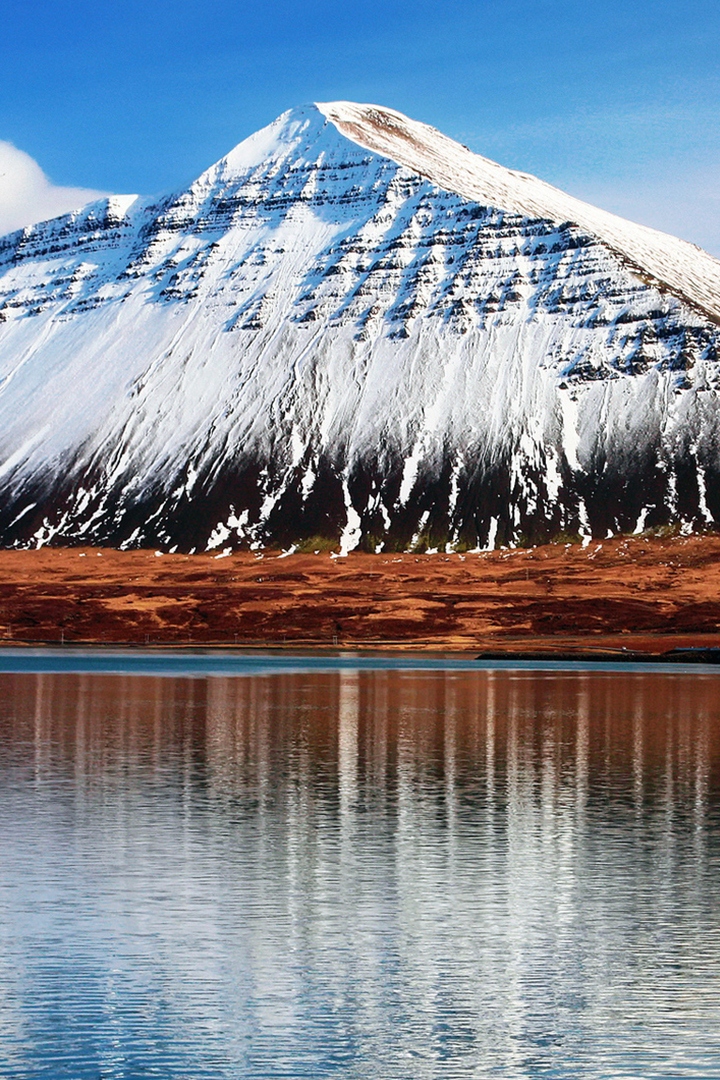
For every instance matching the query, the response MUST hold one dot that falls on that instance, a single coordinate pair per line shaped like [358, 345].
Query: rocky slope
[352, 328]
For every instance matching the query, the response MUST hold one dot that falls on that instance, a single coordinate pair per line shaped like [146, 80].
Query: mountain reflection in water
[360, 874]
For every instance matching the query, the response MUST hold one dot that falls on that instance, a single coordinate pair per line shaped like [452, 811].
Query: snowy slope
[352, 327]
[683, 268]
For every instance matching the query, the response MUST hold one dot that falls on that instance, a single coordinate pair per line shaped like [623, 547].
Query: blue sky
[616, 102]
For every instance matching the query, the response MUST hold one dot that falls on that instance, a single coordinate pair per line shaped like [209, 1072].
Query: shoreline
[230, 663]
[552, 651]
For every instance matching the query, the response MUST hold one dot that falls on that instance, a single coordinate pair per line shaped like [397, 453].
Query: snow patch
[352, 533]
[492, 535]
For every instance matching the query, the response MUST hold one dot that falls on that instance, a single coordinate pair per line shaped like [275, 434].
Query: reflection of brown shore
[327, 736]
[649, 594]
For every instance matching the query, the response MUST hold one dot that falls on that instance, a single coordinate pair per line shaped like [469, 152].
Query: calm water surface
[371, 874]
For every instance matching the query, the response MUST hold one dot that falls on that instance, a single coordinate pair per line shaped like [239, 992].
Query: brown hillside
[639, 592]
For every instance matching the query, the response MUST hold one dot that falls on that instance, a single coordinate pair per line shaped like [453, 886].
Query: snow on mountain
[353, 328]
[683, 268]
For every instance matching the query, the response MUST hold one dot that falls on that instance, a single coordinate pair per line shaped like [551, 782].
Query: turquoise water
[199, 663]
[293, 869]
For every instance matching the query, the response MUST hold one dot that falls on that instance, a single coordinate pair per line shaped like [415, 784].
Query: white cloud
[27, 195]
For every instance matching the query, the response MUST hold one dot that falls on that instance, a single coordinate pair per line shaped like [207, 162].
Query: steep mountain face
[353, 328]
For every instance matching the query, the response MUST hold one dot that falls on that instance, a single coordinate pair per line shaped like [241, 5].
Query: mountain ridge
[315, 339]
[466, 173]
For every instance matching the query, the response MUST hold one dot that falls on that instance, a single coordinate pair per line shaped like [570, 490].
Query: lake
[363, 870]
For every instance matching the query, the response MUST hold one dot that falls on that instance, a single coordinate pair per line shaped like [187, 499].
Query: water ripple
[387, 874]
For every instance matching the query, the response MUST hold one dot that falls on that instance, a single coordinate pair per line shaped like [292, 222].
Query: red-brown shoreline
[645, 594]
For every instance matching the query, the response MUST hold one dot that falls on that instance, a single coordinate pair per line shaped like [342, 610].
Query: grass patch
[322, 544]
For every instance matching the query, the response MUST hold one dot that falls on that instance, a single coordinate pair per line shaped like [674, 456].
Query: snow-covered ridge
[328, 335]
[684, 268]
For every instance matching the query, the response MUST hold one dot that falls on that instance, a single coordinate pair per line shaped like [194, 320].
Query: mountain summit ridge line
[420, 147]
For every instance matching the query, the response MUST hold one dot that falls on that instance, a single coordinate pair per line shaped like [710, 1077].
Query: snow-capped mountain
[353, 328]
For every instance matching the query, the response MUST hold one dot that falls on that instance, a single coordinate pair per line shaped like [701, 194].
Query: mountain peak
[353, 328]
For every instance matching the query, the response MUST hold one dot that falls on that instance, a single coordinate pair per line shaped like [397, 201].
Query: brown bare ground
[644, 593]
